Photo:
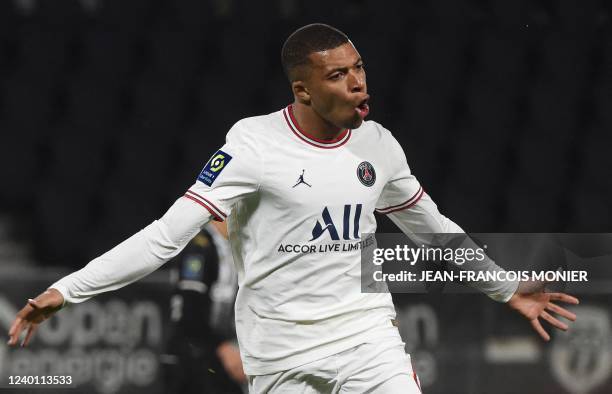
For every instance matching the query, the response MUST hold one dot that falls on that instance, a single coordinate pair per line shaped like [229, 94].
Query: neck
[313, 124]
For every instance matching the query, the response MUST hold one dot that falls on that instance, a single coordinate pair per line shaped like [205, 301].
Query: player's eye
[335, 76]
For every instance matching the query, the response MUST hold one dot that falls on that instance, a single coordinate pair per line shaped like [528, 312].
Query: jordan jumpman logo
[301, 180]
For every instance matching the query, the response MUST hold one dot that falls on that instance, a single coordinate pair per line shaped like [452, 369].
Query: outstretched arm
[138, 256]
[129, 261]
[412, 210]
[532, 303]
[423, 217]
[232, 173]
[405, 202]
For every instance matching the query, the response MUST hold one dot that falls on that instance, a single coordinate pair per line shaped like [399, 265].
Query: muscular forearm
[137, 256]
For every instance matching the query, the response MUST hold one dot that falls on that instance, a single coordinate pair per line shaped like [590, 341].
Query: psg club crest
[366, 173]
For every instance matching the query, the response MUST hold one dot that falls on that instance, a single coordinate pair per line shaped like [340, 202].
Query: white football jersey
[297, 209]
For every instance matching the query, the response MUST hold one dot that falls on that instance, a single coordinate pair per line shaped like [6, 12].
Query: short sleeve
[232, 173]
[402, 189]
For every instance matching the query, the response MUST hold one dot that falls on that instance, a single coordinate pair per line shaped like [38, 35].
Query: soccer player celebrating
[299, 182]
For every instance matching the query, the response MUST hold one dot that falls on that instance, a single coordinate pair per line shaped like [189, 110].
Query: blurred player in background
[202, 354]
[302, 185]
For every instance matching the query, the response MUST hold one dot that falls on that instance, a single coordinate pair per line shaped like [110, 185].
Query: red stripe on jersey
[335, 143]
[405, 205]
[209, 209]
[219, 212]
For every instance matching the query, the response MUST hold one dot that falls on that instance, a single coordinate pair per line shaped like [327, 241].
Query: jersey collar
[304, 136]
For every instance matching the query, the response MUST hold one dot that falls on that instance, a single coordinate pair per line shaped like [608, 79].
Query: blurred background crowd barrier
[459, 344]
[109, 109]
[111, 344]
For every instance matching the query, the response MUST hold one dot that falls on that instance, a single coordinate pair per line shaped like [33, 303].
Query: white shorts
[380, 367]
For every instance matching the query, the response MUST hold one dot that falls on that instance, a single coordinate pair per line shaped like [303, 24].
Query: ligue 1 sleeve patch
[213, 168]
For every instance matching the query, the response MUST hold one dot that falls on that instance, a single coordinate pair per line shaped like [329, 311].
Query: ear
[300, 92]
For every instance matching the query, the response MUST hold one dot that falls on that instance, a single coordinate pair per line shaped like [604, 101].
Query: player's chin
[355, 122]
[349, 121]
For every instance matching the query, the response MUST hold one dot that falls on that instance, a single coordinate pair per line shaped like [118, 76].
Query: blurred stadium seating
[108, 109]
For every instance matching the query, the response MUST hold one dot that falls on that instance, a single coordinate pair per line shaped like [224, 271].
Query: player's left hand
[535, 305]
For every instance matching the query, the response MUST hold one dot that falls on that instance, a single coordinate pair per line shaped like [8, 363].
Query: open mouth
[363, 109]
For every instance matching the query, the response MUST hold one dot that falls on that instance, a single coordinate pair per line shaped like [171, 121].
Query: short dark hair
[311, 38]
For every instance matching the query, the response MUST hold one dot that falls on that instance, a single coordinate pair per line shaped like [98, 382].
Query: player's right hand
[33, 313]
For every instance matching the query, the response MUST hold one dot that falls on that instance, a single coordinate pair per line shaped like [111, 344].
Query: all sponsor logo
[339, 226]
[350, 221]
